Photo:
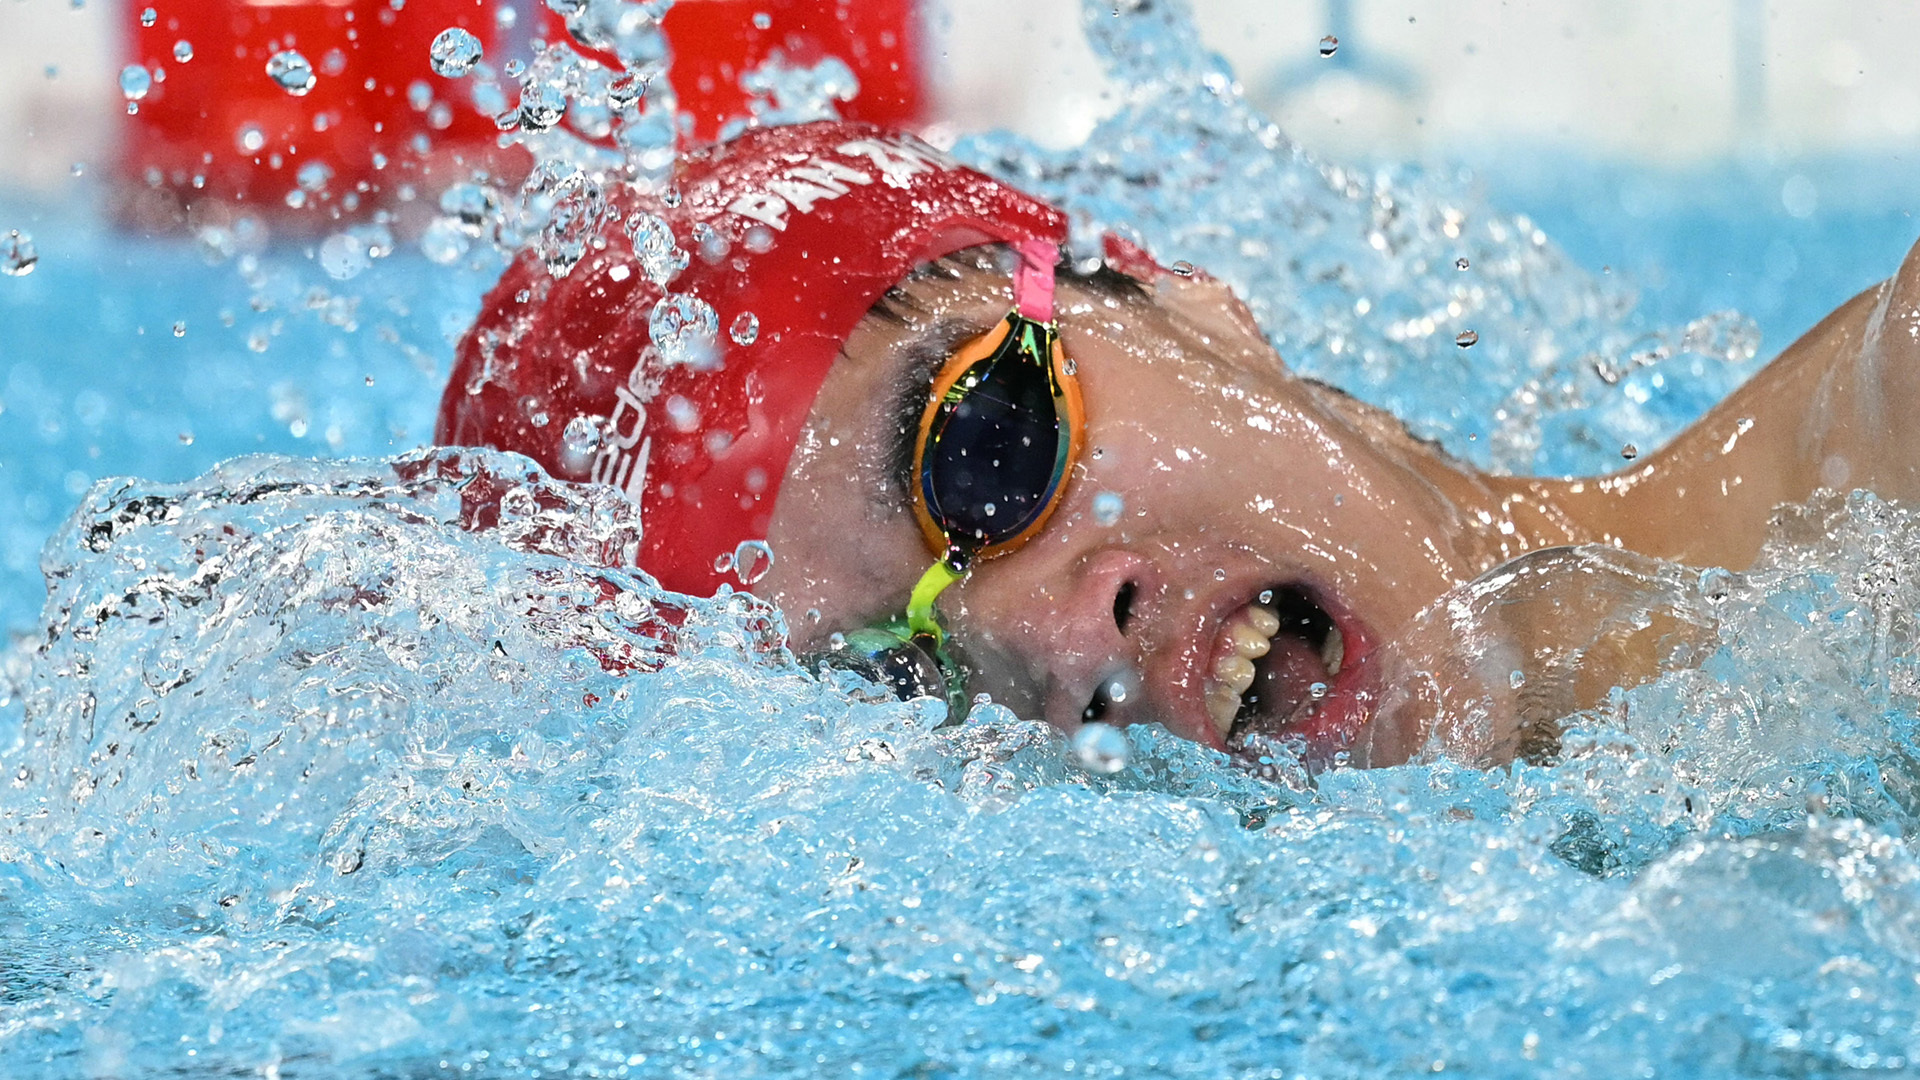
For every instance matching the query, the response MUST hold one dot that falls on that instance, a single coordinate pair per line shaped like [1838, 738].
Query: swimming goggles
[1002, 429]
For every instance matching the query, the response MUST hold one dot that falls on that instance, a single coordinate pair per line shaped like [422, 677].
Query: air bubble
[1716, 584]
[1182, 268]
[762, 20]
[1629, 451]
[723, 562]
[1316, 691]
[149, 17]
[186, 438]
[292, 71]
[752, 560]
[180, 328]
[1219, 574]
[17, 254]
[1516, 678]
[250, 139]
[1467, 339]
[1460, 263]
[1329, 45]
[1107, 508]
[1101, 748]
[182, 51]
[745, 329]
[454, 52]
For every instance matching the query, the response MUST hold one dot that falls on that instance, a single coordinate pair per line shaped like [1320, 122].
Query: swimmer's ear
[1207, 303]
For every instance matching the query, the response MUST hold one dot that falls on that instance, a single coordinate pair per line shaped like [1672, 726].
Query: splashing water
[376, 768]
[1343, 266]
[439, 760]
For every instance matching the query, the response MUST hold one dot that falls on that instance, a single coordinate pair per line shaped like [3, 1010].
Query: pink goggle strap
[1033, 282]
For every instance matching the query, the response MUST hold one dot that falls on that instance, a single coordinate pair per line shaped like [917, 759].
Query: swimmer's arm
[1834, 410]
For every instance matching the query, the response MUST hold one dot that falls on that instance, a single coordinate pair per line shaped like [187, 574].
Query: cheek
[837, 550]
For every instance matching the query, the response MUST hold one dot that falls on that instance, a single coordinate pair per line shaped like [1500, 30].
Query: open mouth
[1274, 661]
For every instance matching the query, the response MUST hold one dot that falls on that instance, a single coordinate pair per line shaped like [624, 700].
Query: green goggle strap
[921, 621]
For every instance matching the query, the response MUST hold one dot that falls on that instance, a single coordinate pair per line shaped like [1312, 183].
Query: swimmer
[1091, 491]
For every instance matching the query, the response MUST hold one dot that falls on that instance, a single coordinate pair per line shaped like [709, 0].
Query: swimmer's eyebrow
[918, 362]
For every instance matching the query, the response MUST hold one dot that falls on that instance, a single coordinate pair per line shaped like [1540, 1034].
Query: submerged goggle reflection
[1002, 428]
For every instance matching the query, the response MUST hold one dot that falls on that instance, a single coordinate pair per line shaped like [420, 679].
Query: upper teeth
[1250, 633]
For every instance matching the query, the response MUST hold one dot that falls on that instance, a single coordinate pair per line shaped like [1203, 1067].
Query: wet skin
[1241, 479]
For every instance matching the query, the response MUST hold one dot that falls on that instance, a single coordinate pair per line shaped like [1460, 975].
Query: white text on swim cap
[820, 179]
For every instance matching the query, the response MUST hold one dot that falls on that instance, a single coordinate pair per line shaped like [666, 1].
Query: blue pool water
[303, 776]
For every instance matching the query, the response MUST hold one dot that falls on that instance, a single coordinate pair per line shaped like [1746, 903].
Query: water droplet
[745, 329]
[17, 254]
[685, 330]
[1629, 451]
[135, 81]
[1516, 678]
[579, 442]
[343, 256]
[1182, 268]
[991, 509]
[186, 438]
[762, 20]
[752, 560]
[683, 414]
[250, 139]
[183, 50]
[723, 562]
[1316, 691]
[1219, 574]
[292, 71]
[369, 380]
[313, 176]
[180, 328]
[454, 52]
[1329, 45]
[1467, 339]
[1266, 596]
[1107, 508]
[541, 107]
[1101, 748]
[149, 17]
[759, 239]
[1460, 263]
[444, 242]
[661, 258]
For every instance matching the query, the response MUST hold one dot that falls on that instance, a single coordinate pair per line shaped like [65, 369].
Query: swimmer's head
[1226, 550]
[772, 247]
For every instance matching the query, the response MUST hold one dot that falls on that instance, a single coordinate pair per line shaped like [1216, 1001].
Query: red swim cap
[809, 226]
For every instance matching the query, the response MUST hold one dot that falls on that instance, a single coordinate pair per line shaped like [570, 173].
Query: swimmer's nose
[1089, 645]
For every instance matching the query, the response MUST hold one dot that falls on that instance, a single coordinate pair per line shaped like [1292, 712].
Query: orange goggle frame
[1002, 430]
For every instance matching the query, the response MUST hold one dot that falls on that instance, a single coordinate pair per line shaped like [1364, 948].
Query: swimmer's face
[1231, 546]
